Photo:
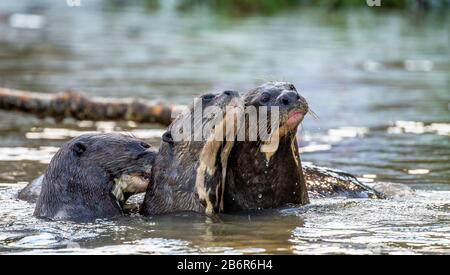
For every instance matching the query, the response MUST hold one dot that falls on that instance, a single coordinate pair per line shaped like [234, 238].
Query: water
[379, 82]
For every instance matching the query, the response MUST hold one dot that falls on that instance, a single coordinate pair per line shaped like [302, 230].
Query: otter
[324, 182]
[258, 179]
[92, 175]
[188, 173]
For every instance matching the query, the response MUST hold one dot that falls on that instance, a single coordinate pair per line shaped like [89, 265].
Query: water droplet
[294, 193]
[259, 196]
[296, 183]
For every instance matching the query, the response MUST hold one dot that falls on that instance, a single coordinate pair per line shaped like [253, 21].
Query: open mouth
[134, 183]
[295, 118]
[144, 176]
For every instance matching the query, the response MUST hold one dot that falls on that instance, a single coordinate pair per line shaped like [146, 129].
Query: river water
[379, 82]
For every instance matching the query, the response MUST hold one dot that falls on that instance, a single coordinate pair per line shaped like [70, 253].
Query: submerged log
[79, 106]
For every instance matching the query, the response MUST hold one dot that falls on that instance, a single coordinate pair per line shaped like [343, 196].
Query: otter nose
[289, 98]
[231, 93]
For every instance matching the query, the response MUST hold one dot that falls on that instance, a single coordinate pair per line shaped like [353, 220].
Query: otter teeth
[118, 190]
[132, 183]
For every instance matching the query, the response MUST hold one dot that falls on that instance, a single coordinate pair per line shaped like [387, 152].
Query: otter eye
[145, 145]
[265, 98]
[208, 97]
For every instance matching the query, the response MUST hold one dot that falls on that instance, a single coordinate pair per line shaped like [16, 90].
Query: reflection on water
[415, 224]
[414, 127]
[378, 82]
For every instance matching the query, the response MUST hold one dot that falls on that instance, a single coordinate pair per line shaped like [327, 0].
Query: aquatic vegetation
[239, 7]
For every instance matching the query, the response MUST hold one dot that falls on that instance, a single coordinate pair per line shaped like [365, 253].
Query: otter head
[206, 119]
[277, 110]
[189, 169]
[92, 175]
[283, 96]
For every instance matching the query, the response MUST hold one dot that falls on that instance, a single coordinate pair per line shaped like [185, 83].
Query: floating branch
[79, 106]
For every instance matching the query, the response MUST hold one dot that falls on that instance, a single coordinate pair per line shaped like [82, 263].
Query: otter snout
[292, 100]
[294, 106]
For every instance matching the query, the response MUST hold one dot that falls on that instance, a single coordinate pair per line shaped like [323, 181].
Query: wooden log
[79, 106]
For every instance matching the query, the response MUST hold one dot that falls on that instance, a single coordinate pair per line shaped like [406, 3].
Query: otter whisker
[302, 129]
[130, 134]
[313, 114]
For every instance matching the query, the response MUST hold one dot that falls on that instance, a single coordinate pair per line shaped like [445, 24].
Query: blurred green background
[241, 7]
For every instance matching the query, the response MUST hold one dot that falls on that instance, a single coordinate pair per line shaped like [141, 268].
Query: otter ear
[79, 148]
[167, 137]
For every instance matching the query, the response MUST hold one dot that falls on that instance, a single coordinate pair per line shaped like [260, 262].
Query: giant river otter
[91, 176]
[188, 174]
[258, 179]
